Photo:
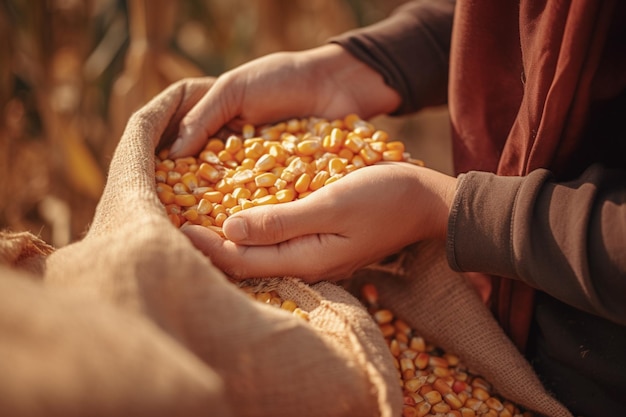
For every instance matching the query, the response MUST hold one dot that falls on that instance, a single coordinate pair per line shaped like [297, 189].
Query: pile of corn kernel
[434, 383]
[272, 164]
[272, 298]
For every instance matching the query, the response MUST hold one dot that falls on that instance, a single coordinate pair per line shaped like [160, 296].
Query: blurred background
[72, 72]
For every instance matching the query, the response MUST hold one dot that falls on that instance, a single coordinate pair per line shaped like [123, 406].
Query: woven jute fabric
[446, 310]
[268, 361]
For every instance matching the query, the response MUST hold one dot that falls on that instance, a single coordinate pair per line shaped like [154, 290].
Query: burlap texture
[444, 308]
[270, 362]
[64, 356]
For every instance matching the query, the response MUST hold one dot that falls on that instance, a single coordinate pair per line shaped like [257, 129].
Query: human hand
[324, 82]
[367, 215]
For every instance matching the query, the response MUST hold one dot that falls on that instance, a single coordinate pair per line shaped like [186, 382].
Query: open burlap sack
[446, 310]
[270, 362]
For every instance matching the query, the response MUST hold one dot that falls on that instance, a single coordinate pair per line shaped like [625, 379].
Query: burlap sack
[136, 273]
[64, 356]
[270, 362]
[445, 309]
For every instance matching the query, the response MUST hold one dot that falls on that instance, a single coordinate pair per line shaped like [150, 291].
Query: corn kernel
[266, 179]
[285, 195]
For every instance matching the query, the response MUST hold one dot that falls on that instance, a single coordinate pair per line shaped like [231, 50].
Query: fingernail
[175, 148]
[235, 229]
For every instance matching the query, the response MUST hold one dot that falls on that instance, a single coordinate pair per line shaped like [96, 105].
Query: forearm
[566, 239]
[410, 50]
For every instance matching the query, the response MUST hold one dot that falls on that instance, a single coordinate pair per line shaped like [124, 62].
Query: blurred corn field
[72, 72]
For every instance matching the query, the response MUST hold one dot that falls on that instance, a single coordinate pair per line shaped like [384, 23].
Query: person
[537, 206]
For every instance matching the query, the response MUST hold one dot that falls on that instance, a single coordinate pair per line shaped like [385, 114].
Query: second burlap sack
[270, 363]
[443, 307]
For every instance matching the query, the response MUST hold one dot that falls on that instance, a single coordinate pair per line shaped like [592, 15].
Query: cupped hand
[367, 215]
[325, 82]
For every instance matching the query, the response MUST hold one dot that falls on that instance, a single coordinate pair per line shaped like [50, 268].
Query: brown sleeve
[410, 49]
[566, 239]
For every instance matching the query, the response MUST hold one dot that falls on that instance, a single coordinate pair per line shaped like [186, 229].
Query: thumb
[271, 224]
[214, 110]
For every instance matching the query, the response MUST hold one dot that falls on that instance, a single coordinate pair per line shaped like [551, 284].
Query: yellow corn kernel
[184, 200]
[467, 412]
[160, 176]
[378, 146]
[248, 131]
[255, 150]
[251, 186]
[225, 185]
[204, 206]
[272, 133]
[302, 183]
[246, 204]
[280, 184]
[220, 218]
[363, 128]
[395, 145]
[213, 196]
[214, 145]
[265, 163]
[285, 196]
[346, 153]
[190, 180]
[241, 193]
[266, 179]
[332, 179]
[350, 120]
[353, 142]
[336, 166]
[380, 136]
[233, 144]
[423, 408]
[289, 305]
[393, 155]
[292, 126]
[224, 156]
[383, 316]
[246, 163]
[259, 192]
[173, 177]
[332, 143]
[166, 196]
[309, 147]
[209, 157]
[319, 180]
[243, 177]
[208, 172]
[191, 214]
[369, 155]
[165, 165]
[180, 188]
[322, 128]
[265, 200]
[229, 200]
[217, 209]
[480, 394]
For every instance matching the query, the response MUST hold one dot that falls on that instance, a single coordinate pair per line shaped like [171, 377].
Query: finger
[271, 224]
[210, 114]
[298, 257]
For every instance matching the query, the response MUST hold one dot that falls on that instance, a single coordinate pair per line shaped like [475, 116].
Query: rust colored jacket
[537, 98]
